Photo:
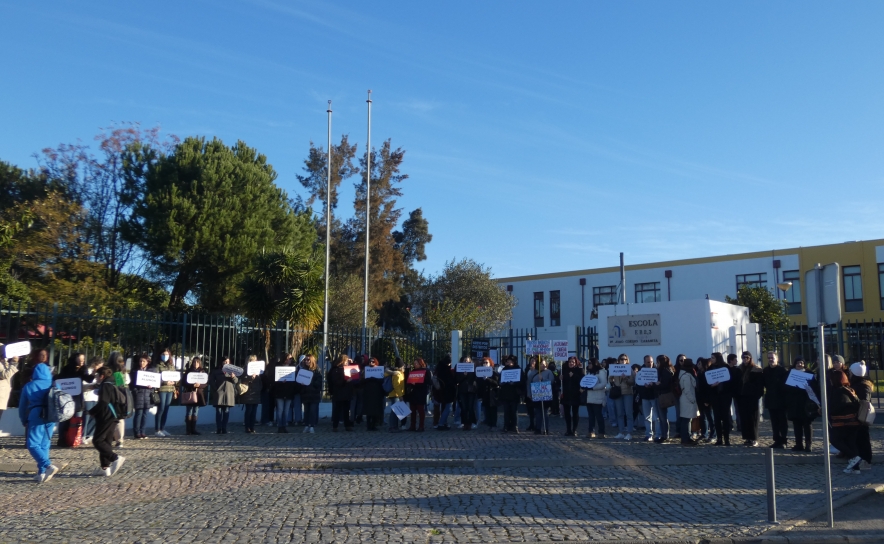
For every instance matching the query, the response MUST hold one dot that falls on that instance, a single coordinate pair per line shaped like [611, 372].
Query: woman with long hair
[311, 394]
[721, 401]
[595, 398]
[665, 377]
[417, 381]
[194, 395]
[340, 387]
[141, 397]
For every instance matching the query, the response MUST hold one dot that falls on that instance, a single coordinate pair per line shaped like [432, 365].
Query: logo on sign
[634, 330]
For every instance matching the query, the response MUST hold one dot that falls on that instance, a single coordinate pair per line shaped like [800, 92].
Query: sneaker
[833, 450]
[115, 466]
[853, 464]
[50, 472]
[619, 436]
[627, 437]
[752, 444]
[306, 429]
[590, 435]
[160, 434]
[40, 478]
[649, 439]
[849, 470]
[102, 472]
[87, 441]
[311, 430]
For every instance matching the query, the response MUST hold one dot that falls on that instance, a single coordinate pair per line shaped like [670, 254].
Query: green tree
[345, 298]
[463, 296]
[764, 308]
[208, 210]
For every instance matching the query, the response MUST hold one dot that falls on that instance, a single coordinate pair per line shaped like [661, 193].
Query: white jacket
[687, 402]
[596, 395]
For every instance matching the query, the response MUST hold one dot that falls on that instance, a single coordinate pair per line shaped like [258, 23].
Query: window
[751, 280]
[793, 295]
[604, 296]
[853, 289]
[555, 309]
[647, 292]
[538, 309]
[881, 283]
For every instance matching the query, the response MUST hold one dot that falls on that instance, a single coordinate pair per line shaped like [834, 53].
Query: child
[106, 424]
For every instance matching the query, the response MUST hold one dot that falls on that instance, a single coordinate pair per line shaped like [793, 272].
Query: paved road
[864, 517]
[409, 487]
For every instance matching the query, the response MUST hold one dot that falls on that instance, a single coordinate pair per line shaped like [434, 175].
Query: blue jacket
[33, 396]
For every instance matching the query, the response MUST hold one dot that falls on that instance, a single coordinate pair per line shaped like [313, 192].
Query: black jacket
[107, 394]
[752, 382]
[774, 387]
[339, 387]
[571, 394]
[283, 390]
[313, 391]
[512, 391]
[417, 392]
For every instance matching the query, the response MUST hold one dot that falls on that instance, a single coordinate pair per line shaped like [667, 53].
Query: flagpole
[367, 221]
[324, 354]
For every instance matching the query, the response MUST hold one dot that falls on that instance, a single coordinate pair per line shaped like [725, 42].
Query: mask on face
[164, 357]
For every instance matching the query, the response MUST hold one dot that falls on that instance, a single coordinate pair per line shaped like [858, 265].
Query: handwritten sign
[401, 409]
[469, 368]
[797, 378]
[646, 376]
[18, 349]
[560, 350]
[170, 375]
[232, 369]
[351, 372]
[255, 367]
[510, 376]
[416, 376]
[538, 347]
[376, 372]
[619, 370]
[541, 391]
[199, 378]
[71, 386]
[718, 375]
[304, 376]
[589, 381]
[484, 371]
[147, 379]
[285, 373]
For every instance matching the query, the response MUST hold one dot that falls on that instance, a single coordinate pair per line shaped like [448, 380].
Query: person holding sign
[249, 389]
[801, 411]
[70, 431]
[141, 398]
[222, 387]
[341, 390]
[311, 394]
[595, 398]
[647, 392]
[572, 396]
[373, 395]
[284, 391]
[511, 385]
[467, 393]
[417, 387]
[722, 397]
[545, 376]
[751, 390]
[489, 386]
[621, 394]
[397, 380]
[194, 394]
[168, 391]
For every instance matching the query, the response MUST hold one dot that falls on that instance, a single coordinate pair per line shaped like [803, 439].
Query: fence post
[183, 337]
[456, 346]
[53, 334]
[771, 488]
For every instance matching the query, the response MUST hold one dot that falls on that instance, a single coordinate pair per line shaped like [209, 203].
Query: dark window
[647, 292]
[853, 289]
[881, 283]
[793, 295]
[555, 309]
[538, 309]
[751, 280]
[604, 296]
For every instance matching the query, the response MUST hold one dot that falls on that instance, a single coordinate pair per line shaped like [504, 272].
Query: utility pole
[367, 222]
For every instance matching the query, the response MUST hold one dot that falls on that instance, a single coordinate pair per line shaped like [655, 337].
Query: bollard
[771, 488]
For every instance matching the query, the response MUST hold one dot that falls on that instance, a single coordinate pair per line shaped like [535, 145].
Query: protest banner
[416, 376]
[484, 371]
[285, 373]
[589, 381]
[232, 369]
[374, 372]
[255, 368]
[469, 368]
[147, 379]
[197, 378]
[541, 391]
[510, 376]
[718, 375]
[351, 373]
[619, 370]
[18, 349]
[479, 347]
[811, 394]
[304, 376]
[560, 350]
[170, 375]
[71, 386]
[646, 376]
[798, 378]
[538, 347]
[401, 409]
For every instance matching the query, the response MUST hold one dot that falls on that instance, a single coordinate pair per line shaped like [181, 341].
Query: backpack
[388, 384]
[123, 406]
[59, 406]
[866, 414]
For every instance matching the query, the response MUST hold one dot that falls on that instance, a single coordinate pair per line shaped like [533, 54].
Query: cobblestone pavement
[409, 487]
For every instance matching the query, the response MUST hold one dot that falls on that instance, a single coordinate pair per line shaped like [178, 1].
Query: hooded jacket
[34, 396]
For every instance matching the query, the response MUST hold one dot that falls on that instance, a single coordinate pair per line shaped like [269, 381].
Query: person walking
[510, 395]
[222, 390]
[311, 394]
[751, 391]
[863, 388]
[572, 395]
[38, 431]
[775, 399]
[194, 395]
[253, 384]
[373, 397]
[106, 417]
[621, 395]
[687, 402]
[168, 392]
[648, 395]
[340, 387]
[596, 399]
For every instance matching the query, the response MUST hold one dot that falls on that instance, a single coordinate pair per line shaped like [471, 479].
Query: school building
[573, 298]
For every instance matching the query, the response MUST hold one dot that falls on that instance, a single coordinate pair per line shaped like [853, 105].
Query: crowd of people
[364, 390]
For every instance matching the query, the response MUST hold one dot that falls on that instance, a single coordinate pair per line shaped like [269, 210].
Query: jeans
[595, 417]
[649, 409]
[623, 409]
[684, 429]
[89, 425]
[222, 416]
[663, 417]
[446, 410]
[393, 418]
[511, 415]
[282, 410]
[356, 405]
[609, 410]
[311, 414]
[251, 416]
[191, 410]
[139, 420]
[707, 422]
[529, 409]
[296, 414]
[541, 417]
[162, 411]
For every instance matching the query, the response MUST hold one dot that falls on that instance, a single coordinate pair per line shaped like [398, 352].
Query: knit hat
[838, 358]
[858, 369]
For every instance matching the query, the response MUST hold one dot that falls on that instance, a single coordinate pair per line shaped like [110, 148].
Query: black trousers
[103, 441]
[341, 411]
[721, 413]
[490, 414]
[748, 408]
[803, 432]
[510, 415]
[779, 424]
[844, 438]
[864, 444]
[572, 417]
[529, 409]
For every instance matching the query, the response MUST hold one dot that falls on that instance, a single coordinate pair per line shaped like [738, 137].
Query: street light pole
[323, 355]
[367, 222]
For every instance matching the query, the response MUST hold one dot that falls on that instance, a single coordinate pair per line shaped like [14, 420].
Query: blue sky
[540, 137]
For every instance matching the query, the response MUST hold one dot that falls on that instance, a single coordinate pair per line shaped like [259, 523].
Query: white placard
[798, 378]
[560, 350]
[541, 391]
[145, 378]
[589, 381]
[633, 330]
[619, 370]
[171, 375]
[232, 369]
[200, 378]
[495, 356]
[484, 371]
[71, 386]
[646, 376]
[538, 347]
[374, 372]
[255, 367]
[811, 394]
[285, 373]
[718, 375]
[19, 349]
[401, 409]
[304, 376]
[510, 376]
[469, 368]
